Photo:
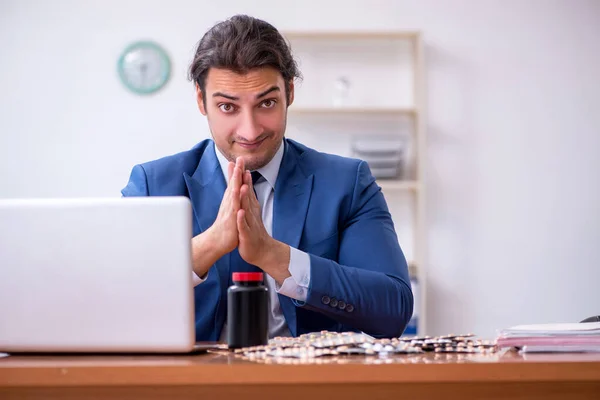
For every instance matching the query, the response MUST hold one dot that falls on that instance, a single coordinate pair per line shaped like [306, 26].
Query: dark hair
[240, 44]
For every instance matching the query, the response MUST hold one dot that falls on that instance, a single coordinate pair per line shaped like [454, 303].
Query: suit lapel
[292, 196]
[206, 188]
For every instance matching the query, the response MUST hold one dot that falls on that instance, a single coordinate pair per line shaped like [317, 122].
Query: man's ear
[200, 100]
[291, 94]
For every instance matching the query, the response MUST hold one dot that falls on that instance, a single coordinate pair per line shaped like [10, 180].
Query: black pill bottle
[247, 310]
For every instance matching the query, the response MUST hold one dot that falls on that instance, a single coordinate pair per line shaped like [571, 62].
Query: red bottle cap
[247, 276]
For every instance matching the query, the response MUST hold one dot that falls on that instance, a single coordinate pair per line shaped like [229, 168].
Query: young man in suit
[316, 224]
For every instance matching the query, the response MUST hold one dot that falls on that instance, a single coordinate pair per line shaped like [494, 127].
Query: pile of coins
[313, 345]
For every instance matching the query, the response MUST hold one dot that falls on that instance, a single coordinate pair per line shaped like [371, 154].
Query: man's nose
[249, 128]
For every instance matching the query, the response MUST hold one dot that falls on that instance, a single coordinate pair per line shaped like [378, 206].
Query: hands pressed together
[239, 224]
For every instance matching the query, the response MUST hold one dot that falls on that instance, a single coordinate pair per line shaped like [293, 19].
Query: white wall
[514, 143]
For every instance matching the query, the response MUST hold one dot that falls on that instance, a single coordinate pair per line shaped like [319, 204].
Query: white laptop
[96, 275]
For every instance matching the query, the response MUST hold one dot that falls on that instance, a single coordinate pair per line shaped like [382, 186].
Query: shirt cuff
[296, 286]
[197, 280]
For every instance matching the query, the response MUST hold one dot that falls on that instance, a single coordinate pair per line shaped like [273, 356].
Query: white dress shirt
[295, 286]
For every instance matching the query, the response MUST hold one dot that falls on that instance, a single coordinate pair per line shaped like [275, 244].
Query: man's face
[246, 113]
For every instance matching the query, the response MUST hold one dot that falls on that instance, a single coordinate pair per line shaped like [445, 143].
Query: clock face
[144, 67]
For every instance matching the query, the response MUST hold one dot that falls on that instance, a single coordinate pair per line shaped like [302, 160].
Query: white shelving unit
[386, 74]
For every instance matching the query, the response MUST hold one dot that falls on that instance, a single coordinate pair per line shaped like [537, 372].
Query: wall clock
[144, 67]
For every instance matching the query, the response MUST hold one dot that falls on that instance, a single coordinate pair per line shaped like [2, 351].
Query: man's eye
[226, 107]
[268, 103]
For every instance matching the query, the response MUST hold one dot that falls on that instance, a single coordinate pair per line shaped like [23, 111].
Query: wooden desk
[222, 375]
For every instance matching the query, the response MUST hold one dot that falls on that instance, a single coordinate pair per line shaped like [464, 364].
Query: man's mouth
[252, 145]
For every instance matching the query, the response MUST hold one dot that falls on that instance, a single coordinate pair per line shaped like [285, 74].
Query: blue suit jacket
[327, 206]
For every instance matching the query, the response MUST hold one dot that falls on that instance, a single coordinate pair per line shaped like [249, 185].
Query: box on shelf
[386, 155]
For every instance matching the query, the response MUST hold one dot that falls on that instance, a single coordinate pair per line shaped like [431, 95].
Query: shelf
[351, 35]
[353, 110]
[391, 184]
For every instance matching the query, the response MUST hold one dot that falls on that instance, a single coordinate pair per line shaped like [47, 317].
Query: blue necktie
[255, 178]
[237, 263]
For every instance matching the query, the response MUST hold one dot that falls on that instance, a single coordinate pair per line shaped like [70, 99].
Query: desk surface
[223, 373]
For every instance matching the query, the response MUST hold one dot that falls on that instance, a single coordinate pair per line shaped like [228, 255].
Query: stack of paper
[578, 337]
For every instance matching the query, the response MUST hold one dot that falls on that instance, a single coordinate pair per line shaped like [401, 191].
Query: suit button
[325, 300]
[349, 308]
[334, 303]
[341, 305]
